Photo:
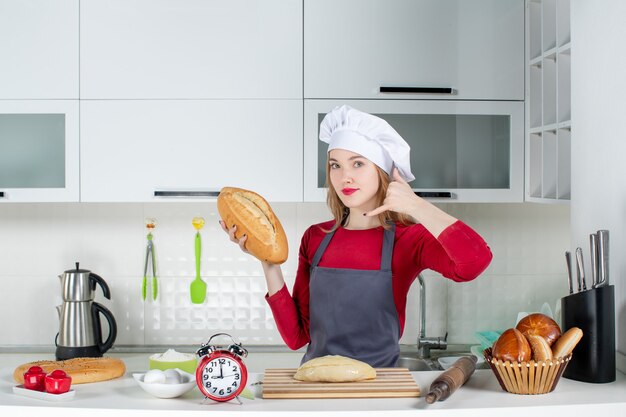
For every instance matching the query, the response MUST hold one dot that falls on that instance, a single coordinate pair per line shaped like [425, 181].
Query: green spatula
[198, 287]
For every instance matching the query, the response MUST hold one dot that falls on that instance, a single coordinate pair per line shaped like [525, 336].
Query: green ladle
[198, 286]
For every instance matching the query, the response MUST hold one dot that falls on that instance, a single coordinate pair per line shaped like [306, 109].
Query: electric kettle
[80, 330]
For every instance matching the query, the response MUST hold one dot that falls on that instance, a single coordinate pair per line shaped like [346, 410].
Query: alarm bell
[236, 348]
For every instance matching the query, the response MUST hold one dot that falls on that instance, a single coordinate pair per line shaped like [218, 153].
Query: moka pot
[80, 330]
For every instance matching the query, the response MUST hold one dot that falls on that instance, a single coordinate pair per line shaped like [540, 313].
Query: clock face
[222, 377]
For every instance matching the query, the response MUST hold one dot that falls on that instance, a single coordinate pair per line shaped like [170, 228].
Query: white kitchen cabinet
[133, 150]
[39, 49]
[548, 103]
[190, 49]
[39, 151]
[352, 48]
[461, 151]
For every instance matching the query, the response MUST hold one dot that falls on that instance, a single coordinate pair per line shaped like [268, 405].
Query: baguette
[253, 216]
[540, 348]
[82, 370]
[567, 342]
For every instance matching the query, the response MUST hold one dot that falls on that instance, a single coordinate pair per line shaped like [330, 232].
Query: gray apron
[352, 311]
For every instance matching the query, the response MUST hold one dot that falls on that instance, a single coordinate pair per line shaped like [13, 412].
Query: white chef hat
[372, 137]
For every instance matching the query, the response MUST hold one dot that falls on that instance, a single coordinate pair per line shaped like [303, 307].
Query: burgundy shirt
[459, 254]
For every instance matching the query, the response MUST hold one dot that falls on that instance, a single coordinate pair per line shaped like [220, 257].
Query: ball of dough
[334, 368]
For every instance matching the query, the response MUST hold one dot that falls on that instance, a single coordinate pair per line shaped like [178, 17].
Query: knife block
[593, 311]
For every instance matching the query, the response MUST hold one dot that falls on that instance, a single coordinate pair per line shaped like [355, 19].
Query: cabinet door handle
[159, 193]
[434, 194]
[419, 90]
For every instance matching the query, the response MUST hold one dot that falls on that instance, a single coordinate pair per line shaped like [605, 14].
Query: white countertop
[481, 396]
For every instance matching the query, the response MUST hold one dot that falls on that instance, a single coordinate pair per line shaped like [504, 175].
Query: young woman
[355, 271]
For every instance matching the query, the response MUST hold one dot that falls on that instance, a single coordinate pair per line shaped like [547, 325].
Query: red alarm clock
[221, 374]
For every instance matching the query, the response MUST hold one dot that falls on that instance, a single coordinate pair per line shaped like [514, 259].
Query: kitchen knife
[580, 270]
[593, 258]
[603, 258]
[568, 261]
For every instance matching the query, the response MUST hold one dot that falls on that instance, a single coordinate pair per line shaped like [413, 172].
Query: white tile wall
[40, 241]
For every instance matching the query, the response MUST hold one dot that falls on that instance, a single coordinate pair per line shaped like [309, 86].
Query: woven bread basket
[532, 377]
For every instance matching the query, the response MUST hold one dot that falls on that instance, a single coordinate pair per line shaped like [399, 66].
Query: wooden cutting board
[389, 383]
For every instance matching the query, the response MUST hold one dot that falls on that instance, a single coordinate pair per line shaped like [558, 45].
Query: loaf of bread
[540, 325]
[334, 368]
[539, 346]
[567, 342]
[512, 346]
[253, 216]
[82, 370]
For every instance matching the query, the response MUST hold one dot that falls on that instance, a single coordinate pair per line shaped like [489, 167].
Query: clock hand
[221, 371]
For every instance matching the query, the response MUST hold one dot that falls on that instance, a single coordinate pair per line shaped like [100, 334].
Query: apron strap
[321, 248]
[386, 253]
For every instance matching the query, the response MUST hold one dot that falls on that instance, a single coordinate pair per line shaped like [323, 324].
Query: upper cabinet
[192, 49]
[461, 151]
[461, 49]
[39, 49]
[39, 151]
[157, 150]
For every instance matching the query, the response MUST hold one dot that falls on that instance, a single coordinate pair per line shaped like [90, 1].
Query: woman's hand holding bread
[250, 223]
[231, 233]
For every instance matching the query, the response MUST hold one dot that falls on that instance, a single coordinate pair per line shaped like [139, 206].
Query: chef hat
[369, 136]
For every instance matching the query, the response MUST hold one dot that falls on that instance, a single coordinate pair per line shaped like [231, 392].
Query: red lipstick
[348, 191]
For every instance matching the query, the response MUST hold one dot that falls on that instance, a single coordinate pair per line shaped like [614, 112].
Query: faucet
[425, 344]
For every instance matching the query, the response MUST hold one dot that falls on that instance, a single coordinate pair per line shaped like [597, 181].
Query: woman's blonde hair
[340, 212]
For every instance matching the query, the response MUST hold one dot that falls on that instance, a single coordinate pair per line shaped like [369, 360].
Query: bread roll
[254, 217]
[567, 342]
[512, 346]
[82, 370]
[540, 349]
[334, 368]
[540, 325]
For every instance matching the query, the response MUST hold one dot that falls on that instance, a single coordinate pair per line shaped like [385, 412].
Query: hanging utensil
[198, 286]
[150, 225]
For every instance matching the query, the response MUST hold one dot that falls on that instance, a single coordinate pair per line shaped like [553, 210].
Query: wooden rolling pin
[451, 379]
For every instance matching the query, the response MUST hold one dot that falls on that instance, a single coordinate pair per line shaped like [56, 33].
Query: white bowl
[167, 390]
[478, 352]
[447, 361]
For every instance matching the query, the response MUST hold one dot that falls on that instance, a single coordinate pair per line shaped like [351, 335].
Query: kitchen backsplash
[40, 241]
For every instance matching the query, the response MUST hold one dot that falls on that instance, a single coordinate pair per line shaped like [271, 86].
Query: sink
[417, 364]
[413, 363]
